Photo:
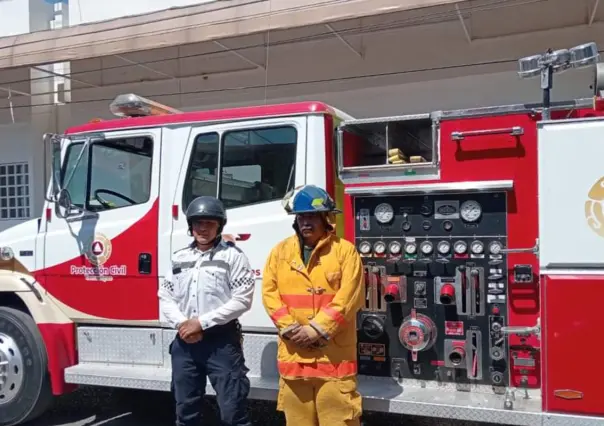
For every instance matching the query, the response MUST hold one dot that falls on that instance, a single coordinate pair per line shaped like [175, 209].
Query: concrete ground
[115, 407]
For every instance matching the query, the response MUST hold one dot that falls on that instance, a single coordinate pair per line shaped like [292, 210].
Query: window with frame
[110, 174]
[257, 166]
[14, 191]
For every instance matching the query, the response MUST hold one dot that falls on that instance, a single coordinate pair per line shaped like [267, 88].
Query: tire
[26, 393]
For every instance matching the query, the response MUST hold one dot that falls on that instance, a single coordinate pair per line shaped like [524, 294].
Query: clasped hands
[190, 330]
[304, 336]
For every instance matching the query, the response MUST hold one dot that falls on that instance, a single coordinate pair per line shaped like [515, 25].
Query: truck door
[101, 260]
[249, 165]
[571, 257]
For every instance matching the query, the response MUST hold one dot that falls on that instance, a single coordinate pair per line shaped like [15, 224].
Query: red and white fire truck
[481, 232]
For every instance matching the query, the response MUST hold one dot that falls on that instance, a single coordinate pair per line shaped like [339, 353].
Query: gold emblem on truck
[99, 250]
[594, 207]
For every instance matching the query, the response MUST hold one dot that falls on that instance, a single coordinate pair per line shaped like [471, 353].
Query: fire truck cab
[481, 236]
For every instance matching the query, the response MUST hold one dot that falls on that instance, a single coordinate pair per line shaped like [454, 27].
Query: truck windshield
[113, 173]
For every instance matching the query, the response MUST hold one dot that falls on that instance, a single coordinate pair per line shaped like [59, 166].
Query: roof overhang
[194, 24]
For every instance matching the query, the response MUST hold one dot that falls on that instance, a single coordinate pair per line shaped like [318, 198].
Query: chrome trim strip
[489, 185]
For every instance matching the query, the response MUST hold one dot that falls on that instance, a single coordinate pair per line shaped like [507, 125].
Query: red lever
[447, 294]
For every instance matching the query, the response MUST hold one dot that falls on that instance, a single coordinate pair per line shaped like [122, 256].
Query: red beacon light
[131, 105]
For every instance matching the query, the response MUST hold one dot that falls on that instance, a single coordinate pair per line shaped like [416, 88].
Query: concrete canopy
[300, 59]
[177, 26]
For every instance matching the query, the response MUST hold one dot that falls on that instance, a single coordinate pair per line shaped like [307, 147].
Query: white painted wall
[21, 141]
[87, 11]
[18, 144]
[14, 17]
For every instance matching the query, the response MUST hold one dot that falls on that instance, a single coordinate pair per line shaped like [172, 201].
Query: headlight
[6, 253]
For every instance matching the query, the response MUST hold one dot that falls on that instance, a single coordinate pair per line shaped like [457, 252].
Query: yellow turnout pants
[320, 402]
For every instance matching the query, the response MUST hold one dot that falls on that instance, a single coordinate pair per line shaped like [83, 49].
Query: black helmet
[208, 208]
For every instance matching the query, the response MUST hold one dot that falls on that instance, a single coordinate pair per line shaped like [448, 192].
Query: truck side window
[76, 173]
[120, 173]
[258, 165]
[203, 168]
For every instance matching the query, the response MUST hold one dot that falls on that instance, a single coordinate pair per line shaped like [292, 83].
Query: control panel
[436, 301]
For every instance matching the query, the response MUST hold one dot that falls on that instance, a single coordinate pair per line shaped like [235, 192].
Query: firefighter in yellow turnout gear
[312, 288]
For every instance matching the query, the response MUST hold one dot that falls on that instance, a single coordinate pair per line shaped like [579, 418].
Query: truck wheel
[25, 391]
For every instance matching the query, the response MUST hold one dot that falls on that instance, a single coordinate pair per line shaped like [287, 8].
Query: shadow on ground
[91, 406]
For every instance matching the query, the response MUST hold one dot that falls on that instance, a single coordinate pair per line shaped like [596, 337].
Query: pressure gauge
[410, 248]
[365, 247]
[384, 213]
[379, 247]
[477, 247]
[470, 211]
[460, 247]
[426, 247]
[495, 247]
[394, 247]
[443, 247]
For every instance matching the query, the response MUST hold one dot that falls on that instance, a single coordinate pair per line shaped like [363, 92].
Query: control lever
[461, 280]
[472, 297]
[477, 294]
[373, 289]
[523, 331]
[534, 249]
[380, 286]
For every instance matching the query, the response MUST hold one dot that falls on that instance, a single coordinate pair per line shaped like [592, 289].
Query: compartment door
[571, 195]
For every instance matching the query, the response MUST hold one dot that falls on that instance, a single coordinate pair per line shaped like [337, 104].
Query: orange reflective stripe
[306, 301]
[334, 315]
[279, 313]
[317, 370]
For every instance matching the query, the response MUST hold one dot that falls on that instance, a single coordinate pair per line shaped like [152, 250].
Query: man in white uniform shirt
[210, 286]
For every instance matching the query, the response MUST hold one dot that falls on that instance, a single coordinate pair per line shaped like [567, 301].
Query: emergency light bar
[131, 105]
[550, 62]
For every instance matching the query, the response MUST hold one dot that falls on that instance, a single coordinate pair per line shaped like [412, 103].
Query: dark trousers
[219, 357]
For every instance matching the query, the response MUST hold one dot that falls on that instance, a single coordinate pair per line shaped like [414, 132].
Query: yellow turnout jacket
[326, 294]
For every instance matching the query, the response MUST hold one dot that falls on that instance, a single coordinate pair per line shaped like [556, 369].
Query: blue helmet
[308, 199]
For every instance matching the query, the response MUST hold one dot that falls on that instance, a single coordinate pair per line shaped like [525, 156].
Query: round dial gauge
[426, 247]
[477, 247]
[495, 247]
[384, 213]
[410, 248]
[460, 247]
[365, 247]
[379, 247]
[470, 211]
[443, 247]
[394, 247]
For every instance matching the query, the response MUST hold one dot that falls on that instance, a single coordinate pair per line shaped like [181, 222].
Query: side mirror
[64, 204]
[54, 141]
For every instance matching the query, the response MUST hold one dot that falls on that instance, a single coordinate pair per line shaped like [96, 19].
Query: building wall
[19, 158]
[396, 99]
[22, 168]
